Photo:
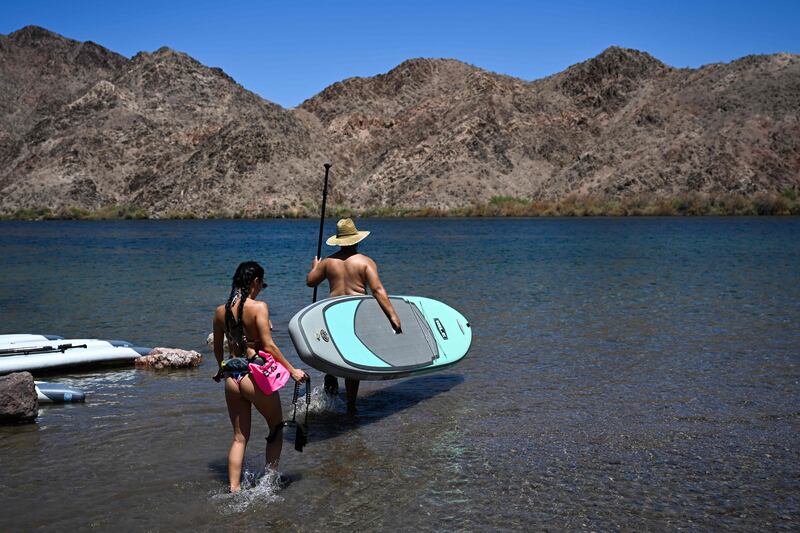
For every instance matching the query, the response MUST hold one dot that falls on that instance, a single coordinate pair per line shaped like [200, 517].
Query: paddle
[39, 349]
[301, 431]
[322, 220]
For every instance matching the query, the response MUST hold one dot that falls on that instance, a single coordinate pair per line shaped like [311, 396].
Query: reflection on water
[625, 374]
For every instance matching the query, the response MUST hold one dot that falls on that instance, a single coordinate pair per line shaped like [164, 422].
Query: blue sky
[288, 51]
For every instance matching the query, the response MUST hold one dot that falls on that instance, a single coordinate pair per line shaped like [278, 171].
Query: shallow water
[636, 374]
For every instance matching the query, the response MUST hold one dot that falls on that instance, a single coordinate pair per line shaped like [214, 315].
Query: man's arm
[380, 294]
[317, 273]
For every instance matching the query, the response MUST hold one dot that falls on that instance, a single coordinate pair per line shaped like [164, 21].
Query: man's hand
[316, 274]
[298, 375]
[396, 325]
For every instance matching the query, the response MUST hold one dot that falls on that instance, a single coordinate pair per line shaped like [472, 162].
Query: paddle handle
[322, 220]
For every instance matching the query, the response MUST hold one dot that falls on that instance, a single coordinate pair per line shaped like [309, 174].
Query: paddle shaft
[39, 349]
[322, 220]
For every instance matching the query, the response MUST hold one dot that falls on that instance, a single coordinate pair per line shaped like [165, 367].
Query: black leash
[301, 433]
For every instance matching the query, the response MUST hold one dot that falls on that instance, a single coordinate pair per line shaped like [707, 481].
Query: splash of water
[257, 488]
[322, 402]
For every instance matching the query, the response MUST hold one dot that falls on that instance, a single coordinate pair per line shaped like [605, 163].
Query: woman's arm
[219, 337]
[317, 273]
[265, 335]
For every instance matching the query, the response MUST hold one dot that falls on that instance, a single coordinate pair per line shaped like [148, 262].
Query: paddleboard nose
[118, 344]
[141, 350]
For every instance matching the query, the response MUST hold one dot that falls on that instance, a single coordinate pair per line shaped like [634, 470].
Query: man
[350, 273]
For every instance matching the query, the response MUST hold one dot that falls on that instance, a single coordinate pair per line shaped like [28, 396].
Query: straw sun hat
[346, 234]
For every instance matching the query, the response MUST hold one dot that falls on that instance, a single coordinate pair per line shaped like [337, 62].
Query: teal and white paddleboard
[351, 337]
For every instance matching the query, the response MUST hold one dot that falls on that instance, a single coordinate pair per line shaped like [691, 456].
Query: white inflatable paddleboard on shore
[33, 355]
[8, 340]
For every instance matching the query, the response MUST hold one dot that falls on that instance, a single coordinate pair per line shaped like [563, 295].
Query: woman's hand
[298, 375]
[314, 262]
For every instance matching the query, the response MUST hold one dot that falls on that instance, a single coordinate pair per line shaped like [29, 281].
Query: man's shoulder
[360, 258]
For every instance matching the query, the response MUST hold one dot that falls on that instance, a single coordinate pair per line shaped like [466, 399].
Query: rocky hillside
[81, 126]
[443, 133]
[159, 131]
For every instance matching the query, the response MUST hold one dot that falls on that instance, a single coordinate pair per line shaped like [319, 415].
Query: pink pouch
[270, 376]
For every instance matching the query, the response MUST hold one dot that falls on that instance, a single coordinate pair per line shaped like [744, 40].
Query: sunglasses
[264, 285]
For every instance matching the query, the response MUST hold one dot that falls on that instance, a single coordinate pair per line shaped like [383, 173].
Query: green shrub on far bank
[685, 204]
[31, 213]
[112, 212]
[75, 213]
[119, 212]
[185, 215]
[502, 200]
[786, 202]
[766, 204]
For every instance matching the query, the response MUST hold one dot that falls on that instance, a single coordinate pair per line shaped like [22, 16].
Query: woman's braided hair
[240, 287]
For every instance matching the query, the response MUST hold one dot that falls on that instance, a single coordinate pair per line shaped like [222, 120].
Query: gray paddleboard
[350, 336]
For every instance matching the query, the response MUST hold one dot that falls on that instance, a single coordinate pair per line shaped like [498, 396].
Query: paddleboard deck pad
[351, 337]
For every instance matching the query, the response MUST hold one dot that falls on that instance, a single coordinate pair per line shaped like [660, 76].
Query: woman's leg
[270, 409]
[239, 411]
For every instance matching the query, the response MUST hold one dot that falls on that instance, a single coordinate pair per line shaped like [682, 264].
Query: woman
[244, 323]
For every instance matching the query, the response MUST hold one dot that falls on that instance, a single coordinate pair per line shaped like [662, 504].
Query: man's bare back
[350, 273]
[347, 273]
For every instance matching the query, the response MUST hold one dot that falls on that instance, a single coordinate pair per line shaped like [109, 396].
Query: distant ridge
[83, 127]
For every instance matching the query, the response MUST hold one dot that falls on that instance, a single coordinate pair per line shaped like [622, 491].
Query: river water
[634, 374]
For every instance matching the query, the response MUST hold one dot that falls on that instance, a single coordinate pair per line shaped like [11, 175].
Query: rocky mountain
[159, 131]
[443, 133]
[81, 126]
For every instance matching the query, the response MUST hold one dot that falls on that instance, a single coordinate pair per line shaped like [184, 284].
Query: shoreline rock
[19, 402]
[161, 357]
[210, 342]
